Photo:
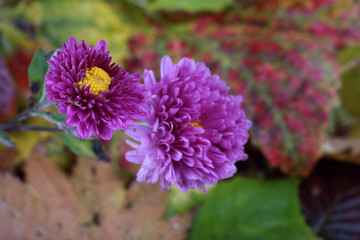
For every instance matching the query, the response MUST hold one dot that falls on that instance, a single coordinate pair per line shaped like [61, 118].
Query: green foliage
[189, 6]
[58, 117]
[180, 202]
[59, 153]
[37, 70]
[350, 90]
[5, 139]
[349, 53]
[10, 36]
[252, 209]
[88, 20]
[340, 118]
[78, 146]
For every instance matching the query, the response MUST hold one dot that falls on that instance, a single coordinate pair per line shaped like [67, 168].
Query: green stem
[24, 115]
[30, 128]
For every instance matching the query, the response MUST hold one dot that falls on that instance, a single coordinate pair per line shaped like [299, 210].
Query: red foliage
[18, 65]
[8, 101]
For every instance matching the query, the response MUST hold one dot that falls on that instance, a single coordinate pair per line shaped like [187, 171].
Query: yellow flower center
[195, 124]
[98, 80]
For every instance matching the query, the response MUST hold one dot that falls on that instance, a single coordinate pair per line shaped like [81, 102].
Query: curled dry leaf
[343, 148]
[41, 207]
[89, 204]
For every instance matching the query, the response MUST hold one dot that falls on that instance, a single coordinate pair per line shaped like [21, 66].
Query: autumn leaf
[43, 207]
[332, 21]
[18, 65]
[89, 204]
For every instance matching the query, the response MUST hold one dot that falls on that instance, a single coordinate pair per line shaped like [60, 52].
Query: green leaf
[92, 21]
[51, 116]
[252, 209]
[349, 53]
[340, 118]
[58, 117]
[79, 146]
[5, 139]
[189, 6]
[350, 90]
[37, 70]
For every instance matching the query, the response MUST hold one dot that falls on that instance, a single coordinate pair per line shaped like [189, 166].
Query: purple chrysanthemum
[195, 131]
[97, 95]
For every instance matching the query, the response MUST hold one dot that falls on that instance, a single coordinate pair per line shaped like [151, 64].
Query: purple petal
[175, 154]
[165, 66]
[82, 131]
[74, 44]
[72, 120]
[101, 46]
[83, 115]
[149, 79]
[137, 157]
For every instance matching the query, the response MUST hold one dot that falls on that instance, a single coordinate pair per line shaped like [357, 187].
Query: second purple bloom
[195, 131]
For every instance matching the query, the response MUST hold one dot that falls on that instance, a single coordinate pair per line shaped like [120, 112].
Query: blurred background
[295, 62]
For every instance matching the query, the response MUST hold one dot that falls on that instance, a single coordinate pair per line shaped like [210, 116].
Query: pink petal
[101, 46]
[165, 66]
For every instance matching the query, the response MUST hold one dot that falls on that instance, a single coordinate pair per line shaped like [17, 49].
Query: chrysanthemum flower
[194, 132]
[97, 95]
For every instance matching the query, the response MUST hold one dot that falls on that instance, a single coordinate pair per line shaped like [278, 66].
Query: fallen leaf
[89, 204]
[44, 206]
[7, 157]
[143, 216]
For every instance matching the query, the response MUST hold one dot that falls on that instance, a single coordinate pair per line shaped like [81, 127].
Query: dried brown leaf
[90, 204]
[139, 216]
[7, 157]
[100, 192]
[45, 206]
[142, 216]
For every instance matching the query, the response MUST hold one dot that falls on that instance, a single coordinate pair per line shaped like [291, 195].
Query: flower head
[97, 95]
[195, 131]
